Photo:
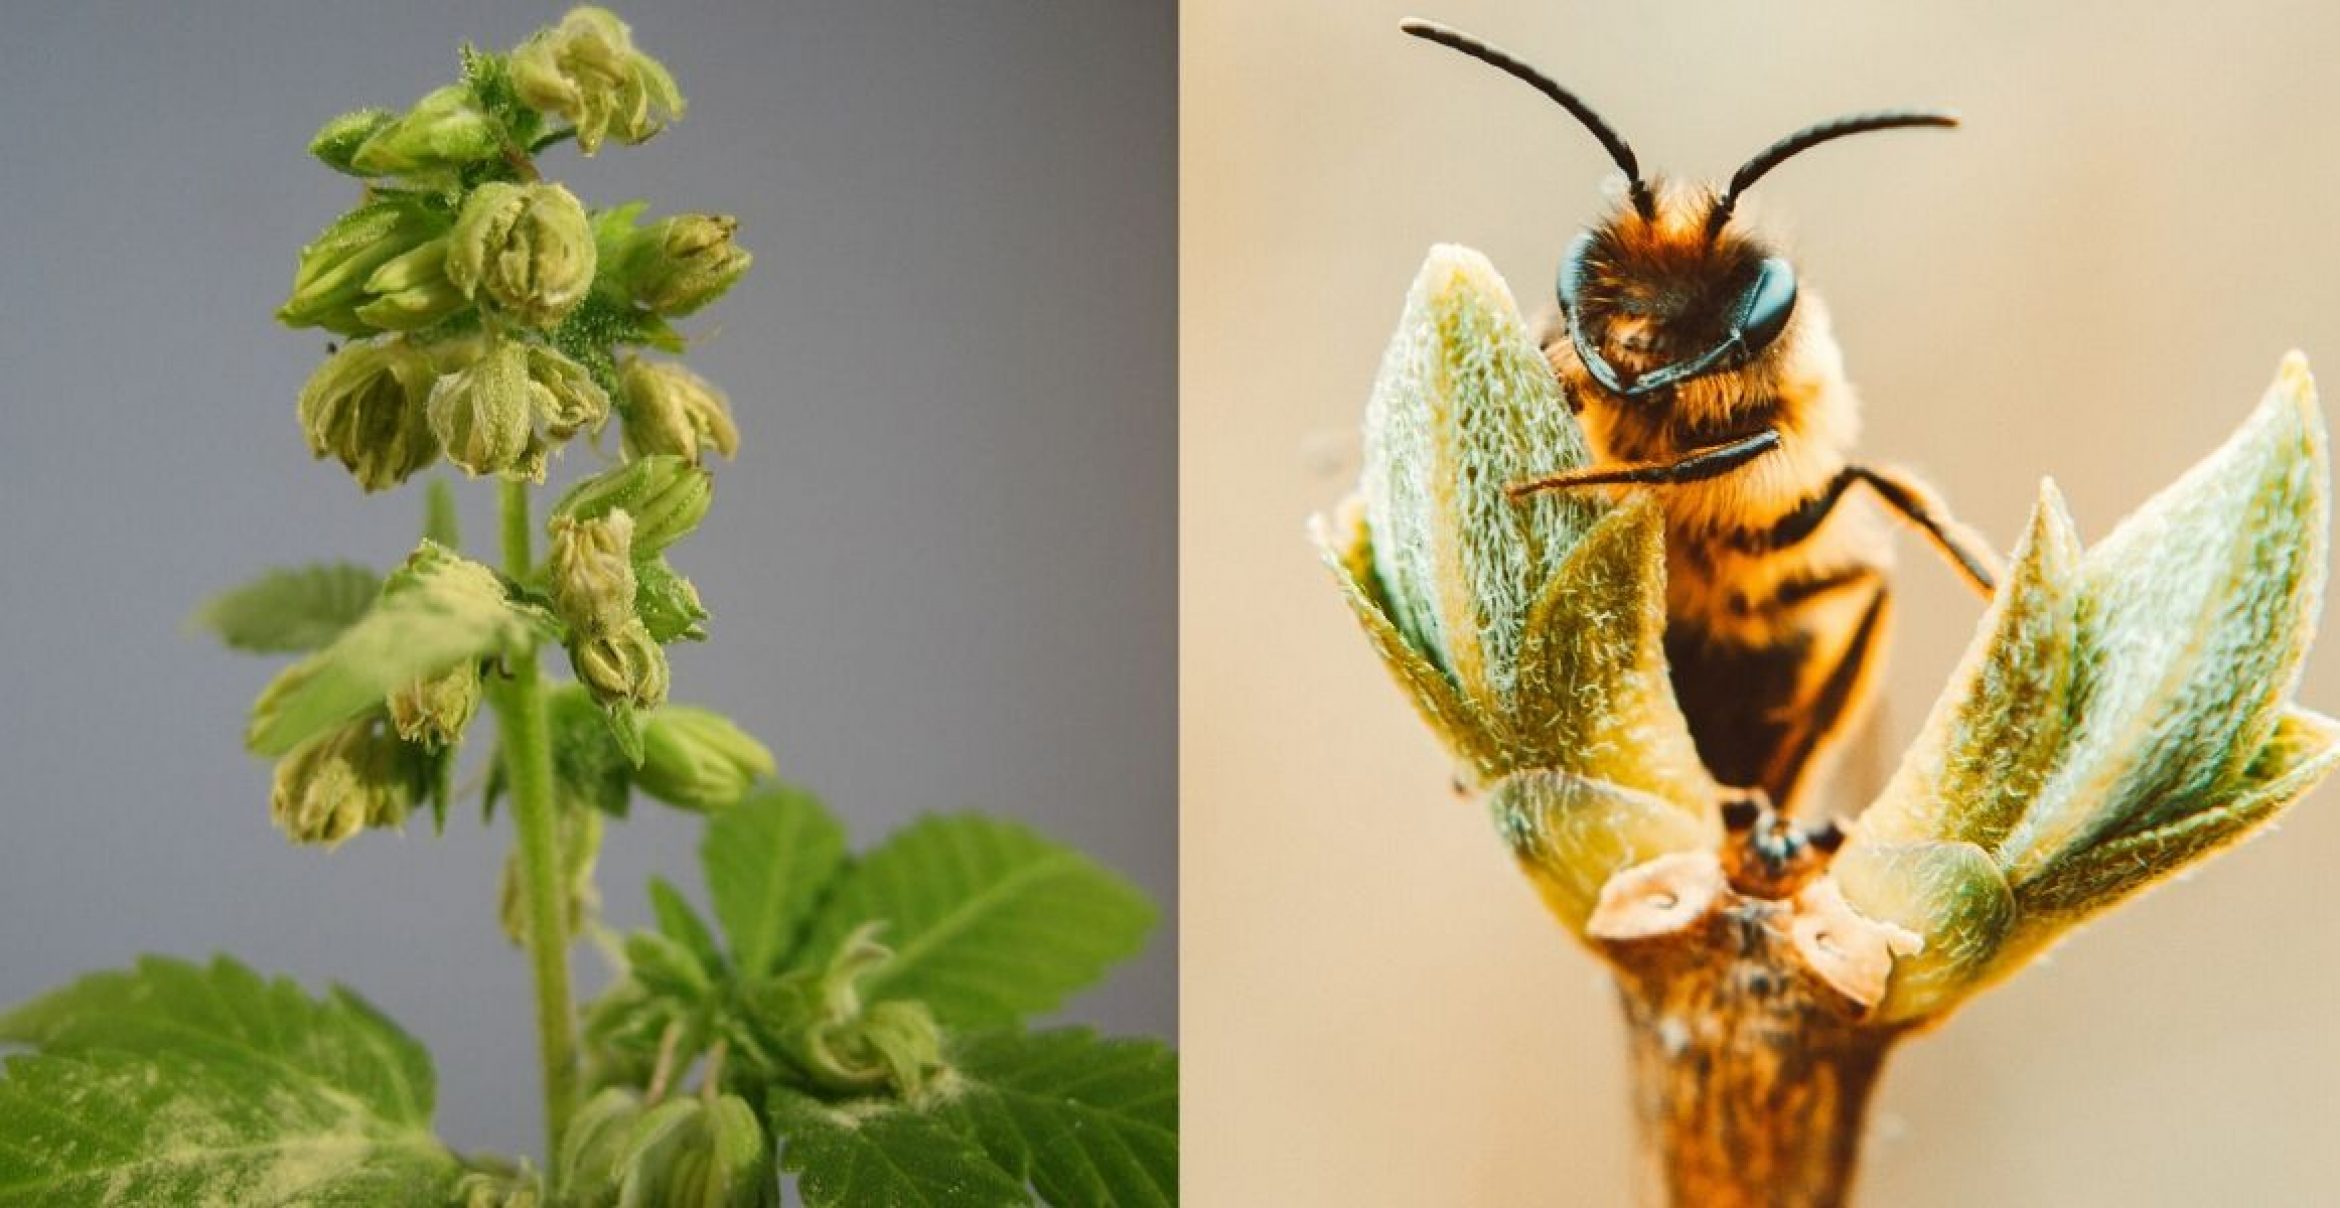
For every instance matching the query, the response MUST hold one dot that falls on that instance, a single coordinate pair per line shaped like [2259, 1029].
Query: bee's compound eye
[1766, 303]
[1574, 272]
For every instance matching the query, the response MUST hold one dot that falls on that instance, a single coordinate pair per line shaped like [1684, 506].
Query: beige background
[2095, 279]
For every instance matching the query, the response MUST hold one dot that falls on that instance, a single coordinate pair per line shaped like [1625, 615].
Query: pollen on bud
[666, 495]
[818, 1018]
[592, 572]
[339, 783]
[526, 248]
[669, 409]
[444, 131]
[482, 415]
[433, 711]
[367, 407]
[678, 265]
[587, 71]
[624, 666]
[697, 759]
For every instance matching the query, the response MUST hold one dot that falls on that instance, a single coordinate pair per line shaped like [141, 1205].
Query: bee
[1699, 370]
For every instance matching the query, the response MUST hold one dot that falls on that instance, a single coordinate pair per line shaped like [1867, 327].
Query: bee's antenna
[1502, 60]
[1812, 136]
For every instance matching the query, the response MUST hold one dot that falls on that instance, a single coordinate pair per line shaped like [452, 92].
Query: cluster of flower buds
[703, 1150]
[608, 535]
[490, 309]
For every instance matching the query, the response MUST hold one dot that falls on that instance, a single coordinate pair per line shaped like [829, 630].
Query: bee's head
[1663, 292]
[1655, 301]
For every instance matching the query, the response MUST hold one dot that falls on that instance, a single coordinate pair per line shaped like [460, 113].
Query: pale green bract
[290, 611]
[178, 1084]
[439, 612]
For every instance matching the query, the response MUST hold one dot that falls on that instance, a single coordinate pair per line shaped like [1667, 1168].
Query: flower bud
[367, 406]
[445, 130]
[586, 70]
[433, 711]
[667, 603]
[623, 666]
[338, 140]
[677, 265]
[592, 572]
[527, 247]
[666, 496]
[482, 415]
[339, 783]
[669, 409]
[330, 283]
[564, 394]
[707, 1153]
[520, 1188]
[593, 1148]
[411, 291]
[698, 759]
[817, 1017]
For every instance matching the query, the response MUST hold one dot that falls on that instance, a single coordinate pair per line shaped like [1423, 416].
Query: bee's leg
[1697, 465]
[1918, 504]
[1832, 705]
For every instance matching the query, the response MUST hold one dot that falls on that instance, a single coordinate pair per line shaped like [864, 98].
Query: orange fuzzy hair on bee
[1701, 371]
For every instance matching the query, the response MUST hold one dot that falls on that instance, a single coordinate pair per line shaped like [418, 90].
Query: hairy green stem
[527, 743]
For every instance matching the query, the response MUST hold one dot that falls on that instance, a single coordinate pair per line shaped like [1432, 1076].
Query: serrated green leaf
[174, 1084]
[290, 611]
[988, 921]
[436, 618]
[226, 1014]
[872, 1152]
[108, 1128]
[681, 924]
[1087, 1120]
[767, 860]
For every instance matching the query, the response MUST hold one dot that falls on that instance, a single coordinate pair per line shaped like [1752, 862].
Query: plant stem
[1751, 1078]
[527, 743]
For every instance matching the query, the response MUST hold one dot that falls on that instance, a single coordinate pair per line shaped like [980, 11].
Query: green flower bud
[623, 666]
[699, 1153]
[677, 265]
[593, 1149]
[818, 1019]
[669, 409]
[666, 495]
[446, 130]
[338, 140]
[339, 783]
[482, 415]
[592, 572]
[367, 406]
[587, 71]
[698, 760]
[528, 248]
[520, 1188]
[330, 283]
[411, 291]
[434, 711]
[565, 395]
[667, 603]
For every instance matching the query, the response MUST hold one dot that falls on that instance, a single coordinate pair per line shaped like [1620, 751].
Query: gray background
[942, 570]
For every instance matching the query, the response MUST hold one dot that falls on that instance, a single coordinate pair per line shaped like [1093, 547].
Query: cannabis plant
[853, 1021]
[2124, 711]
